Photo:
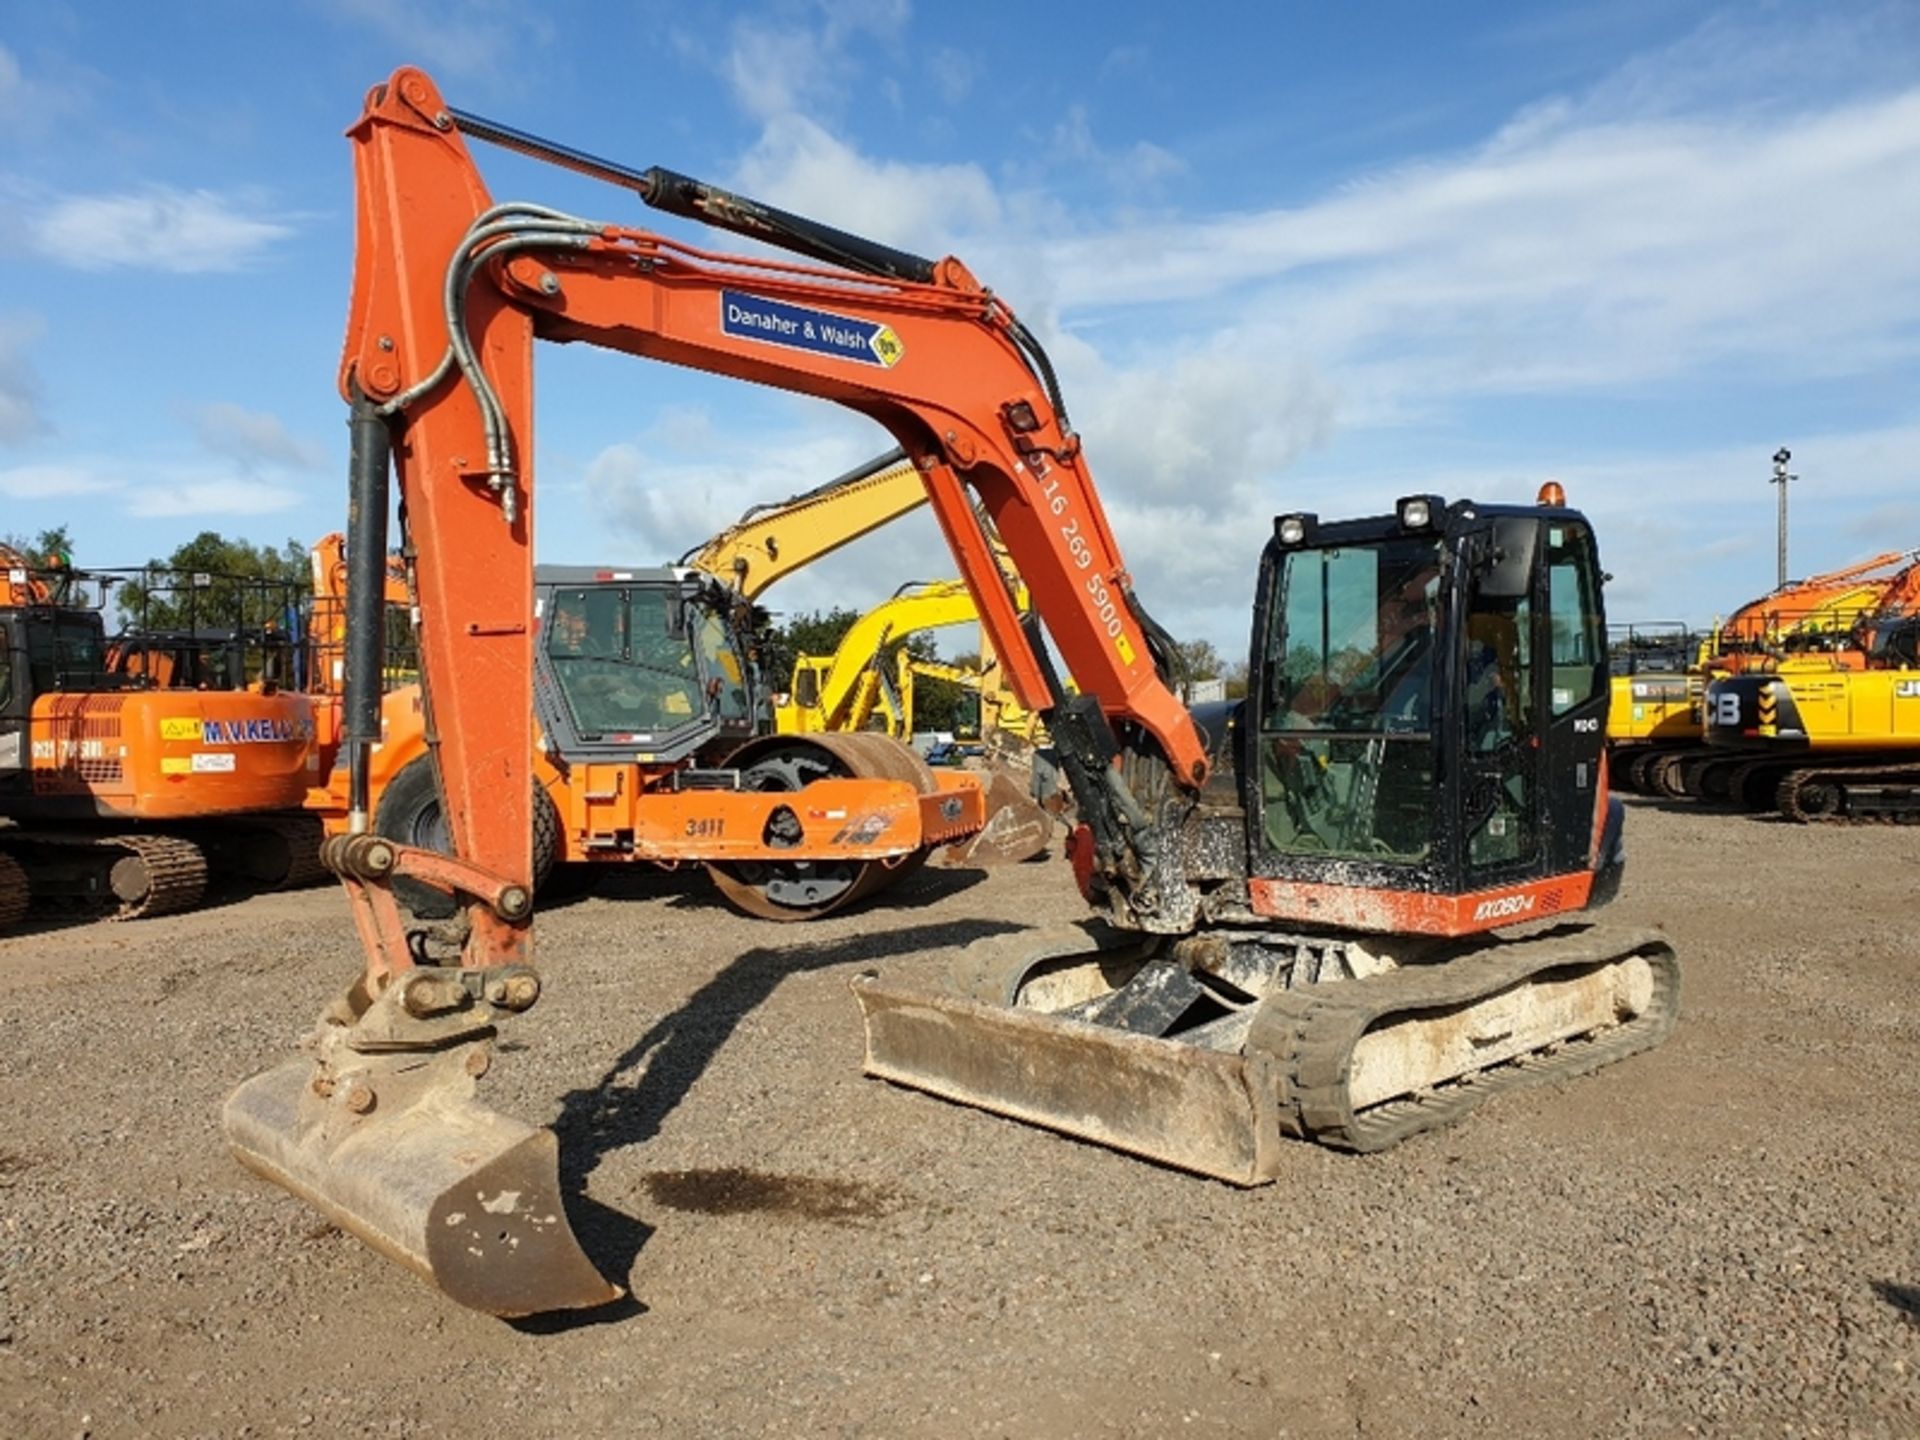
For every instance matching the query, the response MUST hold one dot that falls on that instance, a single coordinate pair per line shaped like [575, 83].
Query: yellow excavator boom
[772, 541]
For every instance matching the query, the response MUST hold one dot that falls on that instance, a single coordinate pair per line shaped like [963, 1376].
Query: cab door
[1497, 693]
[1576, 694]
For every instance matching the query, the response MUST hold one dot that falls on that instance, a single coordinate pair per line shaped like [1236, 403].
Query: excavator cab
[1431, 696]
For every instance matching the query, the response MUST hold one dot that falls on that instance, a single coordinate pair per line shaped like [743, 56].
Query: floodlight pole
[1780, 478]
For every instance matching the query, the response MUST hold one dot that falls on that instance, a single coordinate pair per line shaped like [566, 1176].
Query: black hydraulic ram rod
[696, 200]
[367, 481]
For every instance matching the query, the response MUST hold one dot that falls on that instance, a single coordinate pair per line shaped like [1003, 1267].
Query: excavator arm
[850, 676]
[379, 1128]
[770, 542]
[450, 292]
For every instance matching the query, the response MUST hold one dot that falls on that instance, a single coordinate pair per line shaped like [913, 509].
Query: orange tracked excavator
[1296, 892]
[139, 767]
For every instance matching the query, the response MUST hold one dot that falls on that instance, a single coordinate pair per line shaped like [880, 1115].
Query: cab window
[623, 661]
[1574, 616]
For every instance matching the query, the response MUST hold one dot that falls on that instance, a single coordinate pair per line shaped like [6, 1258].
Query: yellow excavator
[847, 689]
[1827, 737]
[853, 690]
[1656, 740]
[772, 541]
[868, 684]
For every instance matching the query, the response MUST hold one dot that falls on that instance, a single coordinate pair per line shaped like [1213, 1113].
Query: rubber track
[1737, 786]
[176, 873]
[16, 893]
[1787, 796]
[1306, 1037]
[302, 835]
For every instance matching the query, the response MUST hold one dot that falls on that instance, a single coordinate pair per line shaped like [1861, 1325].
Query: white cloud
[687, 478]
[53, 481]
[952, 73]
[216, 495]
[158, 228]
[1563, 257]
[148, 489]
[253, 439]
[21, 417]
[1142, 163]
[799, 165]
[32, 103]
[781, 69]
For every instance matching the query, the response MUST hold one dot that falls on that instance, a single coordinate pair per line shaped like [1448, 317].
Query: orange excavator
[1295, 893]
[135, 768]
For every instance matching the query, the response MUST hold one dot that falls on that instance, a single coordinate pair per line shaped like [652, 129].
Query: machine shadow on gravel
[51, 919]
[676, 1051]
[1670, 805]
[1904, 1298]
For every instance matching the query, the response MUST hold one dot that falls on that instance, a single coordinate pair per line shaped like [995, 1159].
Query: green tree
[213, 583]
[42, 547]
[814, 632]
[937, 704]
[1200, 660]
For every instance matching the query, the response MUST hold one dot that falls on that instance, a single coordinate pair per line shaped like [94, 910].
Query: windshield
[1352, 642]
[1346, 743]
[621, 665]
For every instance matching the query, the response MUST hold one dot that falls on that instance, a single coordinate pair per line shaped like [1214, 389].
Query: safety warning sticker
[754, 317]
[180, 727]
[214, 764]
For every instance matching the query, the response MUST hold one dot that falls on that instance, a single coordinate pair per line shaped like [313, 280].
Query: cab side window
[1573, 616]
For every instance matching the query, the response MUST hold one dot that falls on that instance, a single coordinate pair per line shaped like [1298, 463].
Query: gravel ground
[1715, 1238]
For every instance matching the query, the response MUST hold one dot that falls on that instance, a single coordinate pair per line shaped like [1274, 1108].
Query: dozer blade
[1017, 828]
[1192, 1108]
[467, 1197]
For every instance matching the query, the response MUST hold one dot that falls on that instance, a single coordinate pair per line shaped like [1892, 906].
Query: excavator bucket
[1017, 829]
[401, 1156]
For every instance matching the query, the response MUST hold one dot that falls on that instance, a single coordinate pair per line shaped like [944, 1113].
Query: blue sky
[1286, 257]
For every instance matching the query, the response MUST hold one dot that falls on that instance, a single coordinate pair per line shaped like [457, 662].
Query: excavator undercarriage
[1205, 1052]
